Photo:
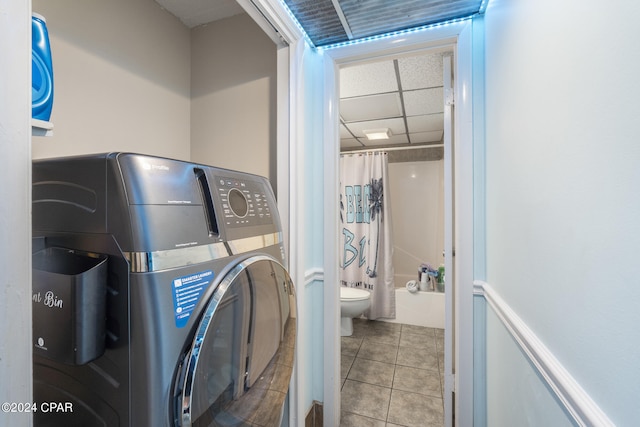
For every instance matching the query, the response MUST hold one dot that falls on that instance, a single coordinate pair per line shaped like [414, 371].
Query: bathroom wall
[416, 191]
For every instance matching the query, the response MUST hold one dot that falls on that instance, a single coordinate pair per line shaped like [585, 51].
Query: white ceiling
[404, 95]
[197, 12]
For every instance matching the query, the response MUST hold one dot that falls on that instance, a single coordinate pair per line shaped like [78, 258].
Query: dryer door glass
[238, 369]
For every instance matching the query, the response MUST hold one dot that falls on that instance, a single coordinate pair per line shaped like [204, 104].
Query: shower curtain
[366, 243]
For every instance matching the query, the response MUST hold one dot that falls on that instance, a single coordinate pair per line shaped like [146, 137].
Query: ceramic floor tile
[409, 410]
[407, 339]
[417, 381]
[361, 327]
[354, 420]
[377, 351]
[387, 326]
[345, 365]
[366, 399]
[420, 330]
[372, 372]
[415, 398]
[417, 358]
[382, 336]
[349, 346]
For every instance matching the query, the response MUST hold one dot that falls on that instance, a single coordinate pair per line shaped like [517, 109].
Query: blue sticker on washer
[186, 293]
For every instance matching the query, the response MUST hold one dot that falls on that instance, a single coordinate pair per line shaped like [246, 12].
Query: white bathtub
[419, 308]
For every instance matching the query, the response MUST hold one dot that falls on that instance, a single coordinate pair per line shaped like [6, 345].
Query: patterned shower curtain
[366, 240]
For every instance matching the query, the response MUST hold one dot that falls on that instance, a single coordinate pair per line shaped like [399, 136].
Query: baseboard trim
[580, 406]
[314, 417]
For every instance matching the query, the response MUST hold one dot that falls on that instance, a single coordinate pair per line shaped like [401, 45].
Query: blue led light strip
[397, 33]
[295, 20]
[481, 10]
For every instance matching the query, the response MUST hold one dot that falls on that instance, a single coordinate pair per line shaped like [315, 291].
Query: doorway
[459, 338]
[404, 95]
[310, 77]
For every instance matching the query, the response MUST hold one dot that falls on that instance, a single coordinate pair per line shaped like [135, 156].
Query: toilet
[353, 302]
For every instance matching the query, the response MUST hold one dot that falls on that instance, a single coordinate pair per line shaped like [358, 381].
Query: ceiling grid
[404, 95]
[404, 113]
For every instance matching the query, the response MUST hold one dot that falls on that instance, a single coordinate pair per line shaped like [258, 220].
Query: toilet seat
[353, 294]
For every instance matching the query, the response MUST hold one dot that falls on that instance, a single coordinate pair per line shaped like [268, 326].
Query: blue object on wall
[42, 70]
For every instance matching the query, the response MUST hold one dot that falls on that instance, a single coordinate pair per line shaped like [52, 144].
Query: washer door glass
[238, 368]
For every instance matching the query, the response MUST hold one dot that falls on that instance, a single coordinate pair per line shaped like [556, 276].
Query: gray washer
[176, 308]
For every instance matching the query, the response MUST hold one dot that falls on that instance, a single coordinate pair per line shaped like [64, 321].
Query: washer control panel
[244, 202]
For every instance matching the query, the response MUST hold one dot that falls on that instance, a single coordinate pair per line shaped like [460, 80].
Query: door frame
[294, 99]
[459, 363]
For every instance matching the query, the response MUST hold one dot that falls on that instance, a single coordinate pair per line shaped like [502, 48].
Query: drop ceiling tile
[382, 106]
[394, 139]
[423, 137]
[368, 79]
[344, 132]
[421, 72]
[423, 101]
[396, 126]
[425, 123]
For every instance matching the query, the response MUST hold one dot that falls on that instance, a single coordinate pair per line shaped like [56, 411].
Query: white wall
[129, 76]
[563, 197]
[122, 79]
[233, 91]
[526, 401]
[416, 191]
[310, 172]
[15, 210]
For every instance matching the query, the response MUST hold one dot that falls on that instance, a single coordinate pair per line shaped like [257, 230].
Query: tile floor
[392, 375]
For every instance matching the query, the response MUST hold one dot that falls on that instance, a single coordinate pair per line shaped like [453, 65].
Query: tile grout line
[386, 420]
[369, 335]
